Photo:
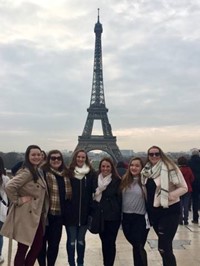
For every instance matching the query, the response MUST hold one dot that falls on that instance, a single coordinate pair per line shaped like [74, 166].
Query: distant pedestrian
[3, 202]
[27, 192]
[194, 164]
[121, 168]
[165, 184]
[134, 223]
[185, 199]
[16, 167]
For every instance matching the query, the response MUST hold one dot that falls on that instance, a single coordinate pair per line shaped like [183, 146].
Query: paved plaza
[186, 249]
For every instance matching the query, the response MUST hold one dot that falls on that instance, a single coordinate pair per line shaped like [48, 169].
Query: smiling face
[106, 168]
[135, 167]
[55, 160]
[154, 155]
[80, 159]
[35, 157]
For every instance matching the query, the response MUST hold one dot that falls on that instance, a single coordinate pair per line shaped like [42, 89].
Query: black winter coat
[111, 201]
[194, 164]
[78, 208]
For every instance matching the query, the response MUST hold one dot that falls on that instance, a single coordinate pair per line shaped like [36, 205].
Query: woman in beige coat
[25, 223]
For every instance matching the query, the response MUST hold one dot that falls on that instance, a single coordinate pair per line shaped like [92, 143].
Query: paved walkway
[186, 249]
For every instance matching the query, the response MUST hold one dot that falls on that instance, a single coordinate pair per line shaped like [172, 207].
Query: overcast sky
[151, 70]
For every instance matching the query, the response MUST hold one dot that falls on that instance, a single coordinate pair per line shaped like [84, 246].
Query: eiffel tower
[98, 110]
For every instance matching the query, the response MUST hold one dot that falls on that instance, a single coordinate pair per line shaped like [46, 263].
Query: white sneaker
[1, 259]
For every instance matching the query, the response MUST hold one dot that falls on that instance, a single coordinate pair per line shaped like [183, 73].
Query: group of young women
[44, 197]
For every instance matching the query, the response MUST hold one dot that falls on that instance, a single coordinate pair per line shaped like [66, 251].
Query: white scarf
[166, 175]
[103, 182]
[80, 172]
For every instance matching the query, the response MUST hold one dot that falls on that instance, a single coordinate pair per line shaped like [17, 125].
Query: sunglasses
[58, 158]
[156, 154]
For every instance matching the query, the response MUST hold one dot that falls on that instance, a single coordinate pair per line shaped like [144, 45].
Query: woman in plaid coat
[59, 187]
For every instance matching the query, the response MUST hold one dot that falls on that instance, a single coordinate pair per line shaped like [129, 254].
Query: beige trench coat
[23, 218]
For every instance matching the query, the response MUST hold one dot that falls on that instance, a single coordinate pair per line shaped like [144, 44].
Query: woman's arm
[13, 186]
[180, 189]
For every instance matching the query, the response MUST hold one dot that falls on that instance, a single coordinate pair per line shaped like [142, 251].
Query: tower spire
[97, 109]
[98, 14]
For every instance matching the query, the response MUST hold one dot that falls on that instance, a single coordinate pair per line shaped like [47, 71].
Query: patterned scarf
[166, 175]
[80, 172]
[54, 191]
[103, 182]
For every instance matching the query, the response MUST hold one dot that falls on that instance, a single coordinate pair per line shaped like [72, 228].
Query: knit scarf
[166, 175]
[54, 190]
[80, 172]
[103, 182]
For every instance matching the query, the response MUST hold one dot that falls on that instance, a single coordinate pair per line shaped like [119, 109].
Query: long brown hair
[127, 178]
[28, 164]
[113, 168]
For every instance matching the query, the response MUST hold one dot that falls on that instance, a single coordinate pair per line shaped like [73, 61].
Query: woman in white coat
[165, 184]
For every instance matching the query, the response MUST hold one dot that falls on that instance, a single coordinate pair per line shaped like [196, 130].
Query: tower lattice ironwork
[97, 109]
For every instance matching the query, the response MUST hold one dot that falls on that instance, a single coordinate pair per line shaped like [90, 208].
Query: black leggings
[134, 228]
[165, 226]
[108, 239]
[51, 241]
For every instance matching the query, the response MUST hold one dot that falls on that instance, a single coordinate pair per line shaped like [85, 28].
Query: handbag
[95, 219]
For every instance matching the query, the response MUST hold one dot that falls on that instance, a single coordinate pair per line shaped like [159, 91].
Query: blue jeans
[185, 200]
[76, 237]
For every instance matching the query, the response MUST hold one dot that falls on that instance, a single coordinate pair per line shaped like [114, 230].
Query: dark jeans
[185, 201]
[108, 239]
[195, 203]
[165, 225]
[134, 228]
[21, 259]
[76, 237]
[51, 241]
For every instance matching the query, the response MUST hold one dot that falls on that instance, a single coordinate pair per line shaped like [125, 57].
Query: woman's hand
[25, 199]
[172, 196]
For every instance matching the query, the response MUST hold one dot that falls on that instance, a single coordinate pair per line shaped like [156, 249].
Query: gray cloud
[151, 72]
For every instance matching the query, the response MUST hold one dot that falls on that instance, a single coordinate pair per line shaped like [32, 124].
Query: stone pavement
[186, 249]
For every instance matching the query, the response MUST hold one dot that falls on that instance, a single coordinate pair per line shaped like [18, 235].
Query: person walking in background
[27, 192]
[108, 195]
[185, 199]
[194, 164]
[134, 223]
[121, 168]
[16, 168]
[82, 180]
[3, 202]
[44, 157]
[60, 193]
[165, 184]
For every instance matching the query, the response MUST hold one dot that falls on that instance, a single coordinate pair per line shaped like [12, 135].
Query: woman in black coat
[77, 211]
[108, 195]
